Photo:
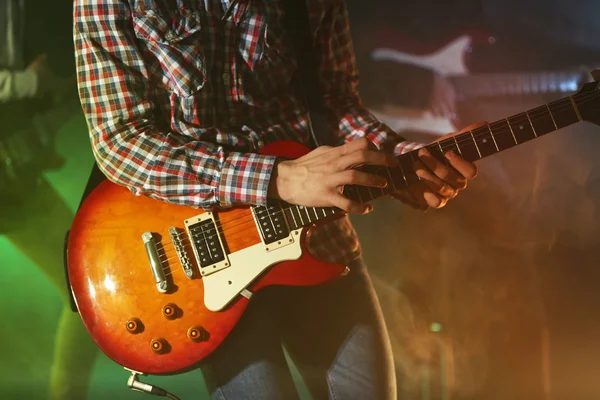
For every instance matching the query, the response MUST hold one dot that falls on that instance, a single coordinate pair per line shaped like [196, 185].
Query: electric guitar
[160, 286]
[450, 60]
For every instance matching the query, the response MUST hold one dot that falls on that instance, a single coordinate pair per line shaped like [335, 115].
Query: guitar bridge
[207, 244]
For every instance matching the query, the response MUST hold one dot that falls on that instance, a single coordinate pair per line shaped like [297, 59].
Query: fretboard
[486, 85]
[472, 146]
[476, 144]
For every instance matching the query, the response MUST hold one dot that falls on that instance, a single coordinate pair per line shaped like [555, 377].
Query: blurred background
[493, 297]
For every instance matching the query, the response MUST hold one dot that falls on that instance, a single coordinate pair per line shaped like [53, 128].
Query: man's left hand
[440, 181]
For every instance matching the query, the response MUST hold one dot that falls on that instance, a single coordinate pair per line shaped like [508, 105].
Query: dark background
[493, 297]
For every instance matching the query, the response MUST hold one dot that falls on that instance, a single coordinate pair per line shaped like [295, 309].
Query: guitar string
[532, 116]
[506, 130]
[203, 235]
[248, 218]
[221, 228]
[462, 141]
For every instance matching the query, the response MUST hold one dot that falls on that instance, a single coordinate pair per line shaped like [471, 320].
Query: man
[180, 97]
[33, 216]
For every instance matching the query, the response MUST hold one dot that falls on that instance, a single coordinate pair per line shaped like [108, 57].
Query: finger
[447, 176]
[359, 144]
[465, 168]
[355, 177]
[405, 197]
[424, 195]
[370, 157]
[433, 182]
[351, 206]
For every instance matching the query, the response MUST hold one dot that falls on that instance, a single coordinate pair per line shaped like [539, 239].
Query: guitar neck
[489, 85]
[472, 146]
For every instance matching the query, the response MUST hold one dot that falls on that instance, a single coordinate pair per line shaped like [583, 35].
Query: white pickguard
[221, 287]
[448, 60]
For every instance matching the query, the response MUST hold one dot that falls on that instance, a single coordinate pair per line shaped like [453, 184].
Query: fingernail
[368, 209]
[383, 183]
[449, 155]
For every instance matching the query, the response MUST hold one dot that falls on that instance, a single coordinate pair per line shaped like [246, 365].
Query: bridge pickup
[184, 260]
[208, 247]
[273, 227]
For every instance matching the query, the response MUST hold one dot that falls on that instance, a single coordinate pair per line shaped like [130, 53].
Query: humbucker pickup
[206, 243]
[274, 230]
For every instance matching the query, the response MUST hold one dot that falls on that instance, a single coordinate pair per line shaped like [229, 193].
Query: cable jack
[134, 383]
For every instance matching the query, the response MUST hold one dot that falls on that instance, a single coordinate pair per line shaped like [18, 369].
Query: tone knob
[134, 325]
[170, 311]
[159, 345]
[197, 334]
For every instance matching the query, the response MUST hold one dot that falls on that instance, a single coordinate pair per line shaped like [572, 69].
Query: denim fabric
[334, 333]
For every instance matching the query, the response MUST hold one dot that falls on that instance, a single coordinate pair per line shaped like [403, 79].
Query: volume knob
[197, 334]
[159, 345]
[170, 311]
[134, 325]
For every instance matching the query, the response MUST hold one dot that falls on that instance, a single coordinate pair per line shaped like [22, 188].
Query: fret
[476, 147]
[465, 143]
[511, 131]
[299, 214]
[323, 210]
[391, 179]
[398, 178]
[442, 153]
[437, 151]
[563, 112]
[314, 210]
[551, 116]
[531, 124]
[304, 213]
[405, 163]
[375, 192]
[541, 120]
[503, 135]
[521, 128]
[575, 108]
[449, 145]
[457, 146]
[493, 138]
[289, 216]
[364, 194]
[483, 141]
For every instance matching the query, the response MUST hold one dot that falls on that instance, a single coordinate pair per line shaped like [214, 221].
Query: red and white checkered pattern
[180, 95]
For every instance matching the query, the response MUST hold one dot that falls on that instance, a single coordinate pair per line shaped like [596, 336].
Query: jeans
[334, 333]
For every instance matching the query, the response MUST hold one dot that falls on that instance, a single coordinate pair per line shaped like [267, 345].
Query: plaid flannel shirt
[180, 96]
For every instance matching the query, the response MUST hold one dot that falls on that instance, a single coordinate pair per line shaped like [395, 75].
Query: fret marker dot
[521, 127]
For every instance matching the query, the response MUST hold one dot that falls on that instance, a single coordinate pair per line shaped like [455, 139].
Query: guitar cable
[135, 384]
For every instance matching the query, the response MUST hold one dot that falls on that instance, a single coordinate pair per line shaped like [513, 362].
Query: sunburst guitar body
[160, 286]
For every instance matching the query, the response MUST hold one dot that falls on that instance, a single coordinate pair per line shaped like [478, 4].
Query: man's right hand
[318, 178]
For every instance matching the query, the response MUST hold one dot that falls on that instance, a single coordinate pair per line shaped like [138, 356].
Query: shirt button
[169, 36]
[225, 77]
[233, 120]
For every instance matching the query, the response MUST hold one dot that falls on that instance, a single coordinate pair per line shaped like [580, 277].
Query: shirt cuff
[407, 147]
[245, 179]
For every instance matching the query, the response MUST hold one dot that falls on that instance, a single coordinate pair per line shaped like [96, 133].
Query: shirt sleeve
[130, 148]
[338, 72]
[17, 85]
